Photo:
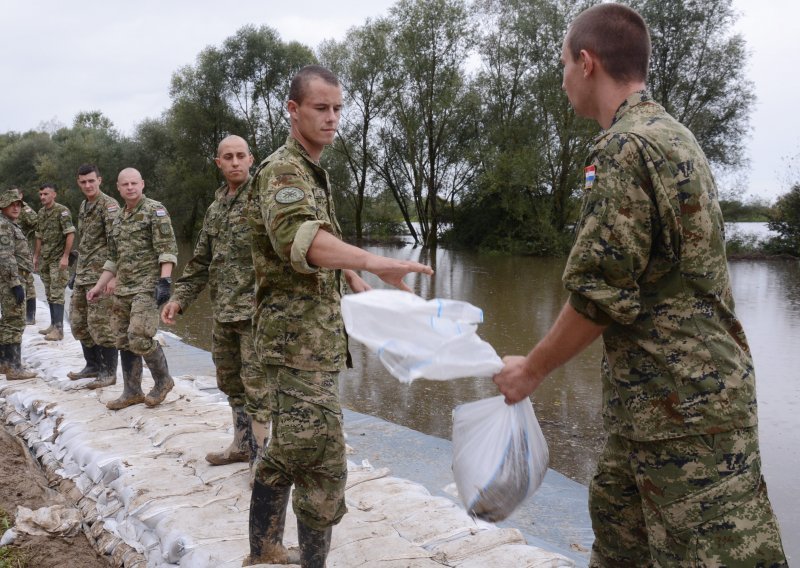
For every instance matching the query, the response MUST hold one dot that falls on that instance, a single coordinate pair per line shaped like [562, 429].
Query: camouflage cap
[9, 196]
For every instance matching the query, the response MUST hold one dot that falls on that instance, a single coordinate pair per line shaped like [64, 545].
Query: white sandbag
[499, 456]
[415, 338]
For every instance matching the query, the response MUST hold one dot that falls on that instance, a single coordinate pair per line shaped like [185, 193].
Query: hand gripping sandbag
[499, 456]
[414, 338]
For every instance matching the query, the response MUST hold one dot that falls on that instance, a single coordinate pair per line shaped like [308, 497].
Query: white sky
[117, 56]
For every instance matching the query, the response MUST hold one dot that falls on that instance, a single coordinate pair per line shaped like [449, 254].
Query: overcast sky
[117, 56]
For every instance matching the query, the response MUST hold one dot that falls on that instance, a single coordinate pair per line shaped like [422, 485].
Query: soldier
[301, 266]
[54, 237]
[141, 255]
[15, 265]
[679, 480]
[223, 261]
[91, 321]
[27, 222]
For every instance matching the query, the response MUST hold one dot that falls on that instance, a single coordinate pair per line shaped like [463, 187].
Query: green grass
[10, 557]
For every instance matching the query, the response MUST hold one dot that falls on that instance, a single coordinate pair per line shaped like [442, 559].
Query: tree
[695, 72]
[786, 222]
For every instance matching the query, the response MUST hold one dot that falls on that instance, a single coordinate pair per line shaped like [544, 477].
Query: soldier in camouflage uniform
[679, 480]
[54, 237]
[301, 267]
[91, 321]
[223, 261]
[27, 222]
[141, 255]
[15, 265]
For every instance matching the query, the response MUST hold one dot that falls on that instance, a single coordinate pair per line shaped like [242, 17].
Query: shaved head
[233, 139]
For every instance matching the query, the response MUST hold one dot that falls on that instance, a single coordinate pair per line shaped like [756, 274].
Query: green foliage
[10, 556]
[753, 210]
[786, 222]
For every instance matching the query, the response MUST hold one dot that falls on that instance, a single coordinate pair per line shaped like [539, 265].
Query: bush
[786, 222]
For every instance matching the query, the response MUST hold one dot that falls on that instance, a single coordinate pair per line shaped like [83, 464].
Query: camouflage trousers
[307, 445]
[134, 322]
[237, 367]
[91, 321]
[54, 280]
[30, 289]
[12, 316]
[698, 501]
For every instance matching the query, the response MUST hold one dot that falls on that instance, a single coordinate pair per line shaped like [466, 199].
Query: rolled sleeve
[69, 230]
[111, 266]
[166, 257]
[302, 242]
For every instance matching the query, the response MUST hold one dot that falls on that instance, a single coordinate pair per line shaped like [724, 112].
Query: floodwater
[520, 298]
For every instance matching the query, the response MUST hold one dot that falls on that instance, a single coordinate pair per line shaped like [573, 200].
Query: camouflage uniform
[27, 222]
[54, 225]
[15, 265]
[142, 239]
[223, 261]
[679, 480]
[91, 321]
[299, 334]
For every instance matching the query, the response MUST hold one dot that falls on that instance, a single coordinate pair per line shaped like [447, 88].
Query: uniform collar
[634, 99]
[222, 191]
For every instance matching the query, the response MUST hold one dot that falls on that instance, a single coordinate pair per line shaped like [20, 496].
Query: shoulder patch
[112, 208]
[289, 195]
[65, 213]
[160, 212]
[589, 175]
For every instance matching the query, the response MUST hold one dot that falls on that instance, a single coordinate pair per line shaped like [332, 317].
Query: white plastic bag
[500, 456]
[414, 338]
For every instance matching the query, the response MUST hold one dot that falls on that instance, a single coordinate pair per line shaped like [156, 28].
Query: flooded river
[520, 298]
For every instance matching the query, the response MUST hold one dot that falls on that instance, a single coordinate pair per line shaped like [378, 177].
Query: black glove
[19, 293]
[163, 290]
[71, 282]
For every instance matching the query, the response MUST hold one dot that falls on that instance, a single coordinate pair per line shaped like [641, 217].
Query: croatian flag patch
[589, 173]
[160, 213]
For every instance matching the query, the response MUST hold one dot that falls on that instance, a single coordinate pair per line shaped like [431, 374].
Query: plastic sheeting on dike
[149, 499]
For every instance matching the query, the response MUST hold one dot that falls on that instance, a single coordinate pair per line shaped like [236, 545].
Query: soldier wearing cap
[15, 265]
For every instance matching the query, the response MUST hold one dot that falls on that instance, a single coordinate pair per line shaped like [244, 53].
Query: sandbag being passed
[415, 338]
[500, 456]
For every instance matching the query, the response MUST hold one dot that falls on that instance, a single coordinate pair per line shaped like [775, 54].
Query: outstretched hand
[392, 271]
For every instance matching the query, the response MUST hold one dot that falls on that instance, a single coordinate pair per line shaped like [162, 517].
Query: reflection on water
[520, 298]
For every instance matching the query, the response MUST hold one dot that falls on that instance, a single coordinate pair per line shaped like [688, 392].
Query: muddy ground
[23, 483]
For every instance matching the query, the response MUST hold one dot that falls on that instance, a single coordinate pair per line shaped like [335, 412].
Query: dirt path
[23, 483]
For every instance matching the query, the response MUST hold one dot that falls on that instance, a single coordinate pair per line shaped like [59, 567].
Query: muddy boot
[239, 450]
[92, 368]
[314, 545]
[47, 330]
[258, 441]
[157, 363]
[57, 333]
[5, 359]
[267, 521]
[132, 379]
[13, 358]
[30, 311]
[108, 368]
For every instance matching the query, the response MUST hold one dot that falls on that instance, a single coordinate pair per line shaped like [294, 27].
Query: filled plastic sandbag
[500, 456]
[415, 338]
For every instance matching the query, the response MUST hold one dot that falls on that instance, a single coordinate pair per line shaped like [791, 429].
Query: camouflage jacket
[142, 239]
[53, 226]
[15, 256]
[222, 259]
[94, 228]
[649, 261]
[298, 321]
[27, 222]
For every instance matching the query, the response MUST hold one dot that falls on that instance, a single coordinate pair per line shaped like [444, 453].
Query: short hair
[297, 89]
[86, 169]
[48, 185]
[617, 35]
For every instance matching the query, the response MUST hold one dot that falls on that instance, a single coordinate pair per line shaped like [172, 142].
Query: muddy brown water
[520, 298]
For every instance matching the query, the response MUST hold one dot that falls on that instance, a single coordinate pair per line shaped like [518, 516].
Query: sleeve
[163, 236]
[65, 218]
[113, 255]
[9, 271]
[195, 273]
[614, 236]
[289, 212]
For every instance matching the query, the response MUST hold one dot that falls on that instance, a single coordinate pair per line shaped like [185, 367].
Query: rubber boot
[132, 379]
[258, 441]
[267, 521]
[108, 368]
[157, 363]
[239, 450]
[14, 370]
[314, 545]
[30, 311]
[57, 333]
[5, 359]
[92, 367]
[47, 330]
